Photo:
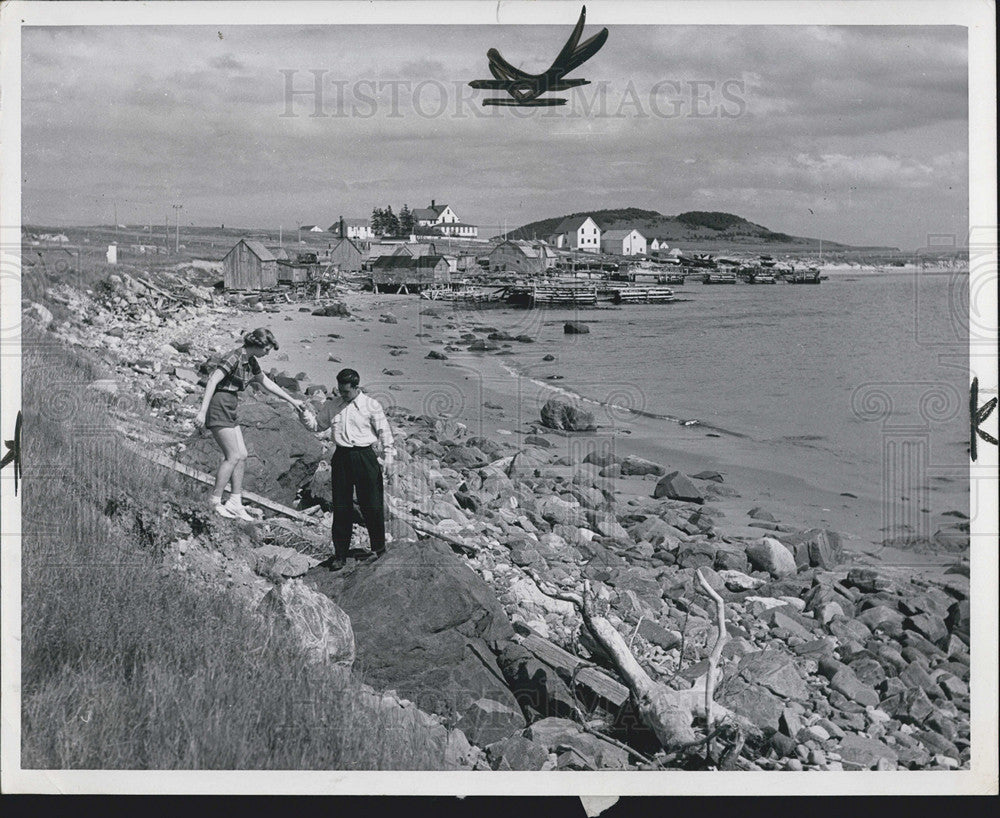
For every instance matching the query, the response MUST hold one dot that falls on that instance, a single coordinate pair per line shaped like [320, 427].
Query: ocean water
[860, 383]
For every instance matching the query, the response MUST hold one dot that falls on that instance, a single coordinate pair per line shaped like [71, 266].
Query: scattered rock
[676, 486]
[575, 328]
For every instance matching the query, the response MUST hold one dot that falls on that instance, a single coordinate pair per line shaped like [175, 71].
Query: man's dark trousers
[357, 468]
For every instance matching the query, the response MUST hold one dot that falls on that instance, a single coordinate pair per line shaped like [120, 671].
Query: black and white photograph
[498, 398]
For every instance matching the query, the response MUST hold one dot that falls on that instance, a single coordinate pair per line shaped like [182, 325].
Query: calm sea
[863, 380]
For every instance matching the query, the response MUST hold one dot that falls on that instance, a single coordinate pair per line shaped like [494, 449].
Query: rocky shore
[833, 661]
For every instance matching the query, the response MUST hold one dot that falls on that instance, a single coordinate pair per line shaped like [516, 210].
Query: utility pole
[177, 227]
[166, 234]
[280, 242]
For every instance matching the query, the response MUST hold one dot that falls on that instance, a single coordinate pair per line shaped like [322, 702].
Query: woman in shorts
[218, 414]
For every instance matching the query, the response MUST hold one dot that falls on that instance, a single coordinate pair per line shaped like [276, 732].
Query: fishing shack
[408, 274]
[302, 269]
[250, 266]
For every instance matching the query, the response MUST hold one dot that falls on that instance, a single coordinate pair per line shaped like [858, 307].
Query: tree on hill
[378, 221]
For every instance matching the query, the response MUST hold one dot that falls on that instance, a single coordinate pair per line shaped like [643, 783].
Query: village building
[579, 233]
[405, 273]
[529, 258]
[358, 229]
[311, 228]
[250, 266]
[443, 220]
[345, 256]
[657, 245]
[623, 242]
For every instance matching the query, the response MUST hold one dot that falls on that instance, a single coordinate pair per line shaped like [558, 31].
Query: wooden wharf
[556, 294]
[642, 295]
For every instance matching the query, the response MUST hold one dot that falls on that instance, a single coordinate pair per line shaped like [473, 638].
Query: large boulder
[575, 328]
[676, 486]
[282, 454]
[426, 625]
[322, 627]
[769, 555]
[557, 414]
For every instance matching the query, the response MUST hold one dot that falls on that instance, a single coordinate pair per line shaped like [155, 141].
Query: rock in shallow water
[557, 414]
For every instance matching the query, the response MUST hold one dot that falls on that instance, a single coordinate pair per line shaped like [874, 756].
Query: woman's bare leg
[240, 467]
[230, 440]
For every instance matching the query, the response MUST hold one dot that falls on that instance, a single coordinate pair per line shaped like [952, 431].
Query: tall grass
[125, 665]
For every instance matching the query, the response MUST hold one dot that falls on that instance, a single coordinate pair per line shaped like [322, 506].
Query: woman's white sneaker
[220, 509]
[238, 511]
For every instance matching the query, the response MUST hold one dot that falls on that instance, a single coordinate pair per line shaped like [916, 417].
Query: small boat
[810, 276]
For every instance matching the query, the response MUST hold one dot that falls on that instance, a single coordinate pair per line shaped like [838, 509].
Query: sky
[851, 134]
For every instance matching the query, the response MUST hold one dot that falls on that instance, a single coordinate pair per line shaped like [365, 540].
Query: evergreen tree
[405, 221]
[390, 221]
[378, 221]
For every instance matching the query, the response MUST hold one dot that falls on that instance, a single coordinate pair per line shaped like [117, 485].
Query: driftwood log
[668, 713]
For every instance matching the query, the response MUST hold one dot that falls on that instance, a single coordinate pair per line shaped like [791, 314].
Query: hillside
[691, 229]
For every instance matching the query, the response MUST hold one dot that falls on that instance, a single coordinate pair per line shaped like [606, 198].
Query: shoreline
[490, 396]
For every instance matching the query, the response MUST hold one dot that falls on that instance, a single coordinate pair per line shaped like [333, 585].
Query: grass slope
[126, 665]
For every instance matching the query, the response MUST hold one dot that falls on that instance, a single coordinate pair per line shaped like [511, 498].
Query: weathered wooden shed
[408, 274]
[346, 256]
[250, 266]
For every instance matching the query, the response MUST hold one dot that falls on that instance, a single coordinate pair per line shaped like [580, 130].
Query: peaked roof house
[351, 229]
[345, 256]
[444, 220]
[311, 228]
[657, 245]
[250, 266]
[624, 242]
[520, 256]
[577, 233]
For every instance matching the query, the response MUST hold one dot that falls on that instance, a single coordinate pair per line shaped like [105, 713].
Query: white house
[658, 245]
[578, 233]
[311, 228]
[444, 220]
[358, 229]
[623, 242]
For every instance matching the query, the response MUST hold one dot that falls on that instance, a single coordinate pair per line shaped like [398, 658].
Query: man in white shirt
[358, 423]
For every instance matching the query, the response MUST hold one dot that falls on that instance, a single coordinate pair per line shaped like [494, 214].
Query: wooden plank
[190, 471]
[603, 686]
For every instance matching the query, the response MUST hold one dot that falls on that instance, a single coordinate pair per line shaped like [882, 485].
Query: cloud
[859, 115]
